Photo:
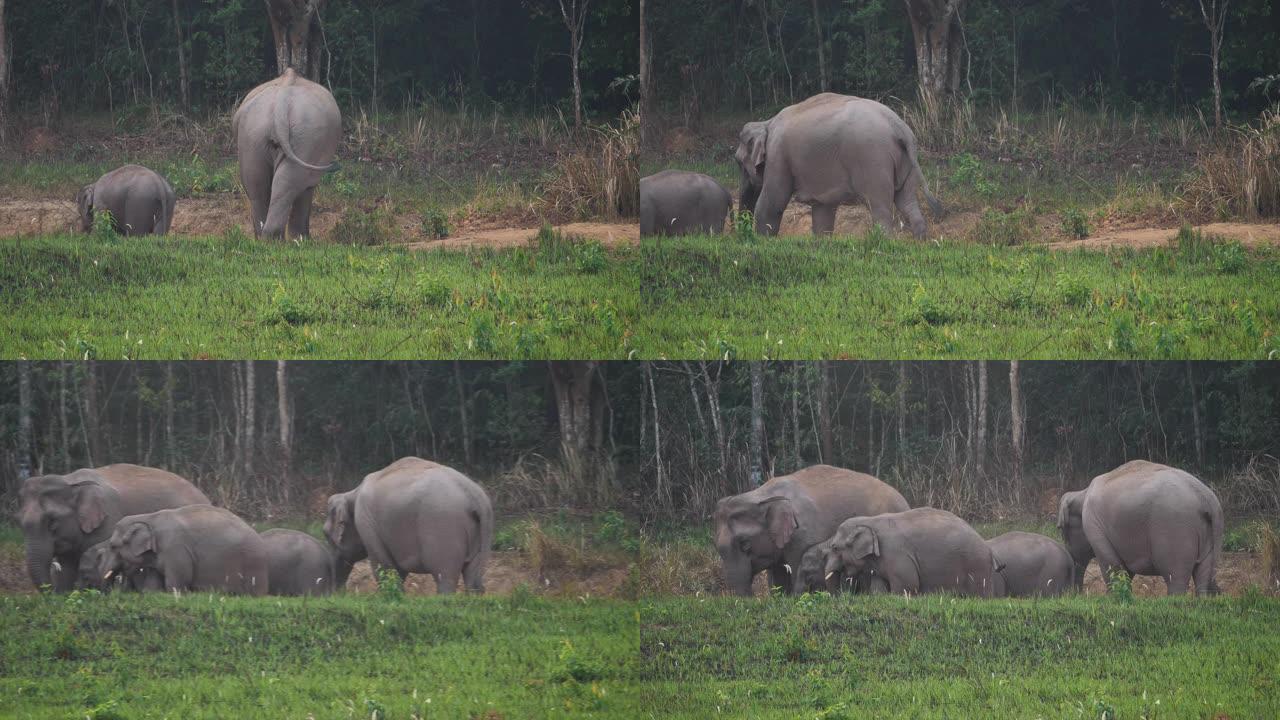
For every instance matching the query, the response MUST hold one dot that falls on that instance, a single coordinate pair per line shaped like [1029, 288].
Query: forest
[70, 56]
[660, 440]
[713, 56]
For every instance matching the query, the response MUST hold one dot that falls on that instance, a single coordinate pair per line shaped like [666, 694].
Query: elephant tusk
[828, 577]
[108, 574]
[788, 568]
[57, 566]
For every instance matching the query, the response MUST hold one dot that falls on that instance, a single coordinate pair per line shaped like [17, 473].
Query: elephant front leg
[772, 204]
[780, 577]
[64, 572]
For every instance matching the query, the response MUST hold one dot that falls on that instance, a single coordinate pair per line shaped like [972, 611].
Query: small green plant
[1075, 224]
[1124, 334]
[106, 710]
[1072, 290]
[924, 309]
[435, 223]
[361, 227]
[484, 332]
[104, 225]
[390, 586]
[285, 309]
[589, 257]
[1229, 258]
[744, 225]
[967, 172]
[1103, 711]
[997, 227]
[432, 292]
[1120, 586]
[574, 667]
[374, 710]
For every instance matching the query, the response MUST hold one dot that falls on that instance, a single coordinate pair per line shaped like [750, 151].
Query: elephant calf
[675, 202]
[1144, 518]
[139, 200]
[923, 550]
[297, 563]
[1031, 565]
[196, 547]
[96, 573]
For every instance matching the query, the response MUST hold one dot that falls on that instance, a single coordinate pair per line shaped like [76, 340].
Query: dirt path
[1250, 234]
[213, 215]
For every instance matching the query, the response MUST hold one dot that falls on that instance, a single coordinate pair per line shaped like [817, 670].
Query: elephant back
[849, 491]
[147, 489]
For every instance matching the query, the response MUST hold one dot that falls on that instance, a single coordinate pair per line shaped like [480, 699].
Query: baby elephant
[195, 547]
[922, 550]
[297, 563]
[1031, 565]
[97, 574]
[140, 201]
[674, 202]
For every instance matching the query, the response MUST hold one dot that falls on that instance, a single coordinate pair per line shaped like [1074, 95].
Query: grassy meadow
[819, 656]
[230, 296]
[207, 656]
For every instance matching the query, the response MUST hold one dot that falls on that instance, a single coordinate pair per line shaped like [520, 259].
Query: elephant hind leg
[909, 206]
[881, 211]
[1205, 575]
[288, 183]
[1176, 583]
[300, 217]
[473, 574]
[447, 581]
[255, 176]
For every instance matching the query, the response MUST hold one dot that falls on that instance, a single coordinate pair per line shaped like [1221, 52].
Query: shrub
[600, 178]
[435, 223]
[1004, 228]
[104, 225]
[1072, 290]
[362, 227]
[1229, 258]
[1241, 176]
[589, 257]
[1075, 224]
[1120, 586]
[389, 585]
[967, 172]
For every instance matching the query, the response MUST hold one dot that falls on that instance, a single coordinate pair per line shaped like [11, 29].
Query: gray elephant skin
[414, 516]
[139, 200]
[675, 202]
[924, 550]
[286, 133]
[297, 563]
[771, 527]
[1144, 518]
[826, 151]
[193, 548]
[93, 566]
[1031, 565]
[62, 516]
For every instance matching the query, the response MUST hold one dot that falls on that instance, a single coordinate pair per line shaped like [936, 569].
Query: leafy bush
[1229, 258]
[361, 227]
[435, 223]
[1004, 228]
[1072, 290]
[1075, 224]
[104, 225]
[967, 172]
[390, 586]
[574, 667]
[589, 257]
[1120, 586]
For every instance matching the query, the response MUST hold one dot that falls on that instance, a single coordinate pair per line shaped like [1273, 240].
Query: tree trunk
[825, 412]
[1015, 413]
[574, 15]
[1195, 417]
[935, 25]
[902, 410]
[250, 416]
[285, 416]
[645, 80]
[575, 386]
[661, 491]
[4, 78]
[170, 442]
[184, 79]
[1215, 19]
[93, 438]
[63, 427]
[463, 401]
[981, 449]
[24, 420]
[822, 53]
[295, 25]
[757, 424]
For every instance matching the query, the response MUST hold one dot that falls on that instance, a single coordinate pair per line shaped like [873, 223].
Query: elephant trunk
[39, 558]
[737, 576]
[341, 571]
[748, 194]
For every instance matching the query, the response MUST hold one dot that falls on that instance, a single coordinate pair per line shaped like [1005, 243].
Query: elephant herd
[286, 133]
[825, 528]
[140, 528]
[825, 151]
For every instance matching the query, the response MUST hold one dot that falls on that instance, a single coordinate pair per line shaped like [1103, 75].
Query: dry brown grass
[1240, 176]
[678, 569]
[600, 177]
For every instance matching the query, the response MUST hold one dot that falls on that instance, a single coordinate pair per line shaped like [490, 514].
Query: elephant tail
[1212, 551]
[909, 147]
[280, 119]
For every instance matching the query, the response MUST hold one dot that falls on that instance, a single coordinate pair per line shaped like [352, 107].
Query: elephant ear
[758, 139]
[91, 506]
[139, 539]
[1064, 509]
[780, 518]
[84, 205]
[864, 542]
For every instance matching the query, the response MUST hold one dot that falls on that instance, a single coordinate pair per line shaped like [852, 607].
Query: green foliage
[104, 226]
[1120, 586]
[998, 227]
[1072, 289]
[744, 225]
[589, 257]
[435, 223]
[192, 176]
[1075, 223]
[967, 173]
[575, 667]
[361, 227]
[390, 587]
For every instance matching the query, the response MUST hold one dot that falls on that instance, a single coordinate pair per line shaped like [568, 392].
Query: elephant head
[340, 529]
[853, 549]
[132, 547]
[1071, 525]
[63, 514]
[93, 566]
[811, 576]
[84, 207]
[750, 536]
[750, 156]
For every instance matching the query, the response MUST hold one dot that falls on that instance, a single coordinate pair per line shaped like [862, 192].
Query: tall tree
[284, 414]
[184, 77]
[93, 436]
[4, 77]
[757, 424]
[1214, 15]
[250, 417]
[579, 395]
[825, 412]
[822, 56]
[24, 420]
[574, 15]
[295, 26]
[981, 450]
[935, 25]
[646, 92]
[464, 399]
[1017, 421]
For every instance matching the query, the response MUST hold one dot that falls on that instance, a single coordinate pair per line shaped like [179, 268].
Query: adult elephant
[1144, 518]
[414, 516]
[297, 563]
[286, 133]
[924, 550]
[771, 527]
[1031, 565]
[139, 200]
[62, 516]
[828, 150]
[194, 547]
[675, 202]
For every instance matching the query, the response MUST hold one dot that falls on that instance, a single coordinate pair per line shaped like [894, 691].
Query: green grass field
[206, 656]
[939, 657]
[229, 296]
[880, 297]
